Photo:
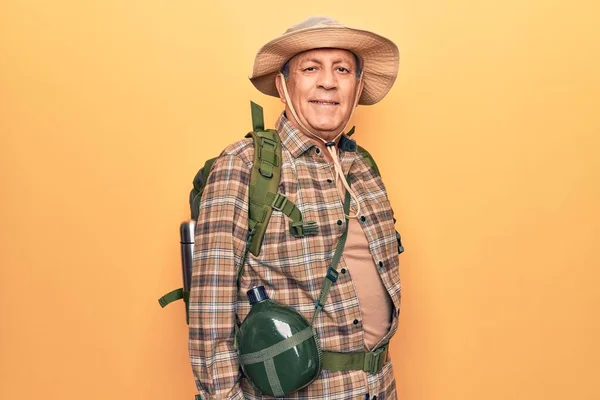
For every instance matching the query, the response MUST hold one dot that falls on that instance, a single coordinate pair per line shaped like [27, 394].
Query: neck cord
[329, 145]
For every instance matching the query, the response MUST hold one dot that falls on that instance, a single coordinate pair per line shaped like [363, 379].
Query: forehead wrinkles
[323, 56]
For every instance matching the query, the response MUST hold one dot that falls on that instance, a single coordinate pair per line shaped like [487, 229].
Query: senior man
[321, 70]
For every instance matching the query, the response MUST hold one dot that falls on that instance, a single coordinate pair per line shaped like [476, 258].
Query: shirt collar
[298, 143]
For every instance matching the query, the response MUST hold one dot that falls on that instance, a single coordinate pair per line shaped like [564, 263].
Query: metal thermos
[187, 230]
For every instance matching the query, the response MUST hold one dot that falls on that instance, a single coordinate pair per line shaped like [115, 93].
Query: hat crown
[319, 21]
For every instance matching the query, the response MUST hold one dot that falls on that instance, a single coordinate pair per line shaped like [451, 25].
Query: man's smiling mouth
[325, 103]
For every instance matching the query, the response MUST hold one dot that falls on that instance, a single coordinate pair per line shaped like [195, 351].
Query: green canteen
[278, 349]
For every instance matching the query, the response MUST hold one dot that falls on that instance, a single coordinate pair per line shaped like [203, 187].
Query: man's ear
[279, 84]
[361, 86]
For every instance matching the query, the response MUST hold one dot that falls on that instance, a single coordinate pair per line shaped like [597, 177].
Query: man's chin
[325, 132]
[325, 127]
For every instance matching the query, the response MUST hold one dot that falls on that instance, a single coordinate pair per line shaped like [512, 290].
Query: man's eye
[310, 69]
[344, 70]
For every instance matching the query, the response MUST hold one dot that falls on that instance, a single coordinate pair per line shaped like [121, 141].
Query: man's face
[322, 87]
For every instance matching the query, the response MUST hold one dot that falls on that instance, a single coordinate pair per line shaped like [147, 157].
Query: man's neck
[319, 143]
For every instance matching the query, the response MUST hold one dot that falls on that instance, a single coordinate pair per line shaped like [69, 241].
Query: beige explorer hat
[379, 56]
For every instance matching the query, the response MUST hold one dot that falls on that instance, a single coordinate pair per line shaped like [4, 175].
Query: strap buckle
[375, 360]
[266, 152]
[278, 204]
[332, 274]
[399, 241]
[249, 237]
[267, 156]
[303, 228]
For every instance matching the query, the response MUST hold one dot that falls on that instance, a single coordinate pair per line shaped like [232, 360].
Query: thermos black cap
[257, 294]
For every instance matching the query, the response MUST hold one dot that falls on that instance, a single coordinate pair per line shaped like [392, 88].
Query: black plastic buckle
[332, 274]
[347, 144]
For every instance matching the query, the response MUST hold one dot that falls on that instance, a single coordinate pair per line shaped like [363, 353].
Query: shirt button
[339, 222]
[329, 181]
[363, 219]
[318, 151]
[367, 396]
[343, 271]
[380, 264]
[374, 398]
[355, 322]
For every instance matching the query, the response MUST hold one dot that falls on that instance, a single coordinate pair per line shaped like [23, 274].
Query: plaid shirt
[291, 269]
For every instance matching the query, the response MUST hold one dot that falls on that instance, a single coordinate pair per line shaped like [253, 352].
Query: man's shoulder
[242, 149]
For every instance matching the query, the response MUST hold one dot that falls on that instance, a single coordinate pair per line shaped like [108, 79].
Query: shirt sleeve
[218, 250]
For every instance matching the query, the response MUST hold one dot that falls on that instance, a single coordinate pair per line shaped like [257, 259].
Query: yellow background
[488, 144]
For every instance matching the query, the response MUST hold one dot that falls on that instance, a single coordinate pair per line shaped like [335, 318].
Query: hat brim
[380, 58]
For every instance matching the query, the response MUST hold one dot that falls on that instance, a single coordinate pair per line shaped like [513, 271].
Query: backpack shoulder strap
[264, 183]
[264, 177]
[365, 154]
[264, 186]
[258, 121]
[368, 159]
[198, 188]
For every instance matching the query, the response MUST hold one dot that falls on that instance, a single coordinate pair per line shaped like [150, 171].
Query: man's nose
[327, 79]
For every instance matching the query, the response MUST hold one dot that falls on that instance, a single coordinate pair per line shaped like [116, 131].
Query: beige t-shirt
[375, 303]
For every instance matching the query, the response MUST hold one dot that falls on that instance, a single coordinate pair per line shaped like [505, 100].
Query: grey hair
[285, 70]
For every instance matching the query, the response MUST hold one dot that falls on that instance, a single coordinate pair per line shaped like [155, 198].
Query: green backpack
[263, 199]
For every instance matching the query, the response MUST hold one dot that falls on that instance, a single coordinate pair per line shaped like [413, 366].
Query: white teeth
[324, 102]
